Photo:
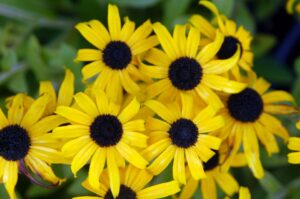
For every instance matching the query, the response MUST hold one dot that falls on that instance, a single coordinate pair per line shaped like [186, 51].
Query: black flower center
[245, 106]
[106, 130]
[183, 133]
[228, 48]
[185, 73]
[117, 55]
[212, 162]
[14, 143]
[125, 193]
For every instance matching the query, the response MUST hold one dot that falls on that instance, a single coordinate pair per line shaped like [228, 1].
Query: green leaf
[17, 83]
[6, 75]
[35, 61]
[136, 4]
[9, 59]
[173, 9]
[225, 7]
[262, 44]
[273, 71]
[243, 17]
[270, 184]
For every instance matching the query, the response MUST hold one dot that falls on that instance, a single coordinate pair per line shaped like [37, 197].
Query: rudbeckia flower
[249, 117]
[181, 134]
[23, 143]
[102, 132]
[214, 177]
[235, 38]
[294, 144]
[115, 59]
[182, 68]
[133, 186]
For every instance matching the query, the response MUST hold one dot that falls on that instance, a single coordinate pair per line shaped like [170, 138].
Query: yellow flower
[100, 131]
[23, 142]
[115, 60]
[183, 68]
[181, 134]
[214, 176]
[248, 118]
[132, 185]
[234, 37]
[64, 96]
[294, 144]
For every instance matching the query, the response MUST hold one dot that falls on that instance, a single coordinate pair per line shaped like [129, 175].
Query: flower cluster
[188, 100]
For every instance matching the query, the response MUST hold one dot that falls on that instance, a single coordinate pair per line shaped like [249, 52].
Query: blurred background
[38, 40]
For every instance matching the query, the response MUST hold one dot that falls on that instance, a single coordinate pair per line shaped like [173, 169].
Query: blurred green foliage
[38, 40]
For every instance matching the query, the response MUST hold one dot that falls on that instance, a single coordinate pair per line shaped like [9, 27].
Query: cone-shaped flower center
[14, 143]
[106, 130]
[228, 48]
[183, 133]
[117, 55]
[185, 73]
[245, 106]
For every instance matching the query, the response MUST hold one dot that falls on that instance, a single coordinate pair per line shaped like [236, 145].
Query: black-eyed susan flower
[214, 176]
[23, 142]
[101, 132]
[64, 96]
[294, 144]
[182, 68]
[133, 186]
[180, 134]
[249, 117]
[115, 60]
[234, 37]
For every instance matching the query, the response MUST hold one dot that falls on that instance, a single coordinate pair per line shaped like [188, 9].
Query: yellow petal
[157, 57]
[102, 102]
[96, 167]
[192, 42]
[114, 22]
[47, 87]
[144, 45]
[88, 55]
[222, 84]
[205, 114]
[10, 177]
[194, 164]
[74, 115]
[179, 35]
[127, 30]
[113, 172]
[187, 105]
[208, 188]
[129, 111]
[221, 66]
[158, 72]
[189, 189]
[277, 96]
[161, 110]
[66, 90]
[135, 125]
[35, 111]
[211, 49]
[159, 191]
[155, 149]
[294, 144]
[82, 157]
[294, 158]
[129, 85]
[71, 131]
[86, 104]
[209, 97]
[92, 69]
[90, 35]
[131, 155]
[162, 161]
[166, 40]
[179, 166]
[244, 193]
[3, 120]
[72, 147]
[203, 25]
[227, 182]
[141, 33]
[16, 111]
[211, 124]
